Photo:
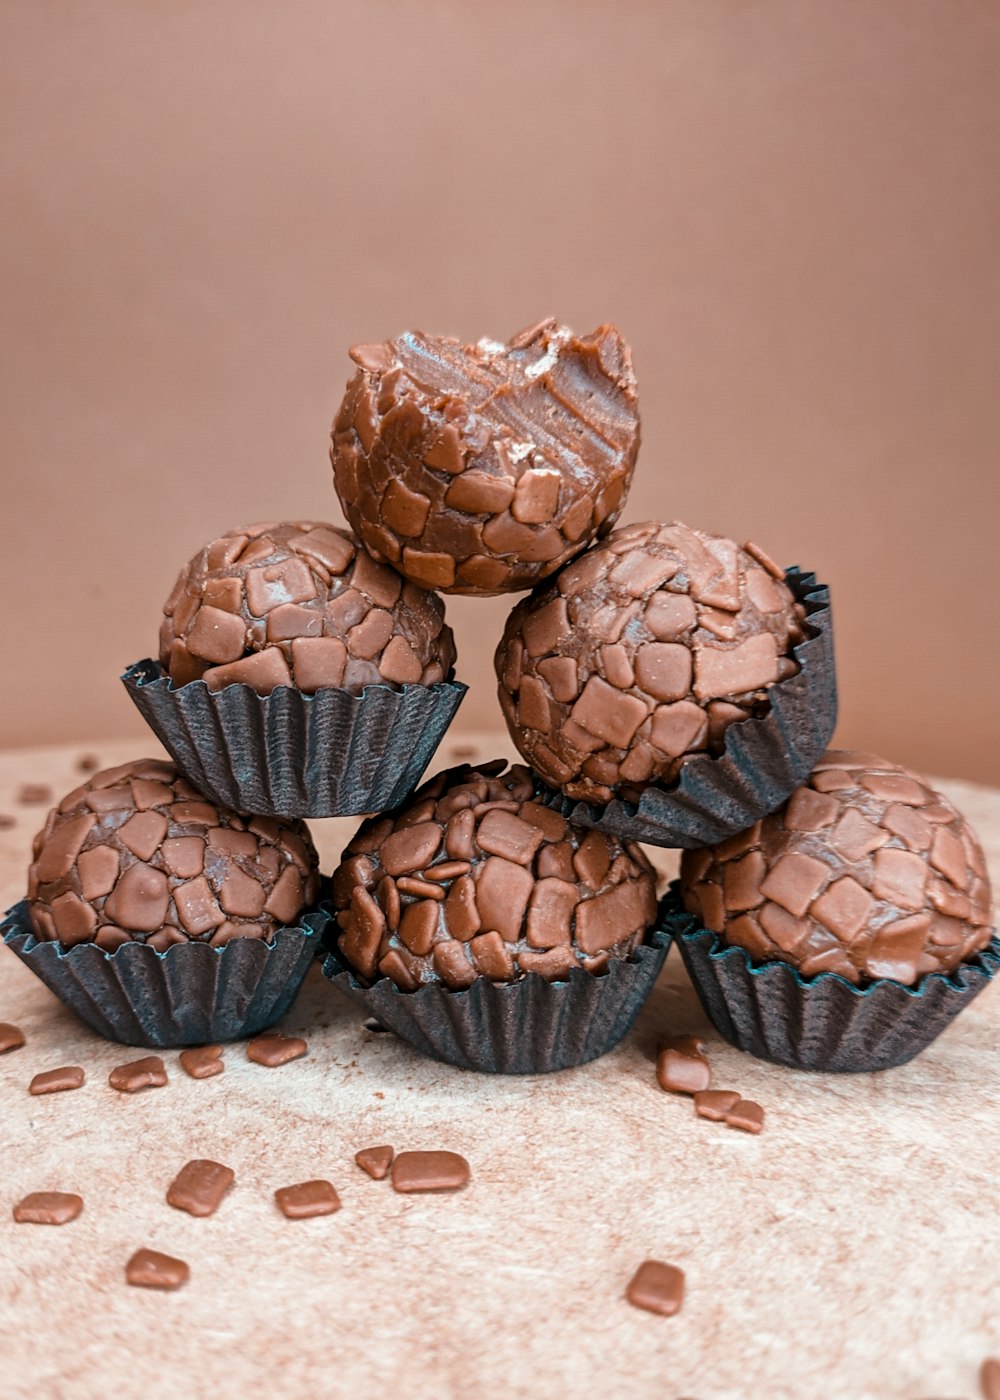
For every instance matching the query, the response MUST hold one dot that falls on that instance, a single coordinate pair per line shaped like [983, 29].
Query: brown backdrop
[792, 208]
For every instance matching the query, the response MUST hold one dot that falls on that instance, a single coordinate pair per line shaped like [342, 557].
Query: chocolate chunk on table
[48, 1208]
[429, 1171]
[273, 1049]
[148, 1073]
[200, 1186]
[55, 1081]
[681, 1068]
[11, 1037]
[714, 1104]
[307, 1199]
[149, 1269]
[204, 1062]
[34, 794]
[376, 1161]
[746, 1115]
[657, 1288]
[989, 1379]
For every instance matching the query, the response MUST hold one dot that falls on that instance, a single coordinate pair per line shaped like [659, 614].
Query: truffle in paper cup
[191, 994]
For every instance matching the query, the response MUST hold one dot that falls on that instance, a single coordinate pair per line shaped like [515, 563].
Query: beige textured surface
[849, 1252]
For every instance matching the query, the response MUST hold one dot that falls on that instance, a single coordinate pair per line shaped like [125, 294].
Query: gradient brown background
[792, 208]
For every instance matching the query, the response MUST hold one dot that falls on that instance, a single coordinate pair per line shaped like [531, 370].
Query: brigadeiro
[482, 468]
[486, 930]
[845, 930]
[296, 675]
[162, 918]
[683, 683]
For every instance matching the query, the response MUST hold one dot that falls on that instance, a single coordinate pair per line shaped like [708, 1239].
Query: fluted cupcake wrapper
[289, 754]
[526, 1027]
[823, 1022]
[765, 758]
[192, 994]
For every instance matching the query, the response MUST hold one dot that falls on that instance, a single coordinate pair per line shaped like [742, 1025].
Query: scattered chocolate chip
[34, 794]
[147, 1073]
[149, 1269]
[307, 1199]
[747, 1115]
[54, 1081]
[376, 1161]
[989, 1379]
[715, 1103]
[681, 1068]
[48, 1208]
[88, 763]
[204, 1062]
[200, 1186]
[273, 1049]
[657, 1288]
[429, 1171]
[11, 1037]
[6, 822]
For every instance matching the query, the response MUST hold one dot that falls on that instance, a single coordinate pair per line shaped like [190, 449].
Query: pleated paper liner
[823, 1022]
[288, 754]
[526, 1027]
[765, 758]
[192, 994]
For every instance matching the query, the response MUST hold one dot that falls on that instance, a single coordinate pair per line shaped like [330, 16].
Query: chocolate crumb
[48, 1208]
[657, 1288]
[747, 1115]
[88, 763]
[273, 1049]
[6, 822]
[429, 1171]
[307, 1199]
[147, 1073]
[376, 1161]
[714, 1104]
[204, 1062]
[34, 794]
[200, 1186]
[681, 1068]
[989, 1379]
[11, 1037]
[149, 1269]
[54, 1081]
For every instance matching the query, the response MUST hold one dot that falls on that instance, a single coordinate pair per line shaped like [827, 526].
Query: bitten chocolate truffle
[866, 871]
[136, 854]
[473, 878]
[641, 652]
[300, 604]
[482, 468]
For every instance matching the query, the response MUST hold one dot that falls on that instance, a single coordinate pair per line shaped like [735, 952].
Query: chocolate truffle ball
[135, 854]
[641, 652]
[300, 604]
[866, 871]
[472, 878]
[481, 468]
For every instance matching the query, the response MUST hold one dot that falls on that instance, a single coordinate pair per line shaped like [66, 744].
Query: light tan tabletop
[850, 1252]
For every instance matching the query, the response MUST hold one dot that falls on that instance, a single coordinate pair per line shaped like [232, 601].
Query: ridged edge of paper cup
[823, 1022]
[289, 754]
[526, 1027]
[191, 994]
[765, 759]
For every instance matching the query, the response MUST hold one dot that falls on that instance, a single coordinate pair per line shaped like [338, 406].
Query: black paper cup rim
[765, 758]
[292, 754]
[531, 1026]
[823, 1023]
[188, 994]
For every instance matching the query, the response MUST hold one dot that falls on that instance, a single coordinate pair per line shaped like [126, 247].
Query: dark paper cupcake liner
[823, 1022]
[192, 994]
[526, 1027]
[288, 754]
[765, 758]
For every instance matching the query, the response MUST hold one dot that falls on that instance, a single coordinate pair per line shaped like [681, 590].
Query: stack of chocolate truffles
[663, 684]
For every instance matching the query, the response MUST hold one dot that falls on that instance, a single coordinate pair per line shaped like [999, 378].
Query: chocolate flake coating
[481, 469]
[300, 604]
[473, 878]
[866, 871]
[640, 653]
[137, 854]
